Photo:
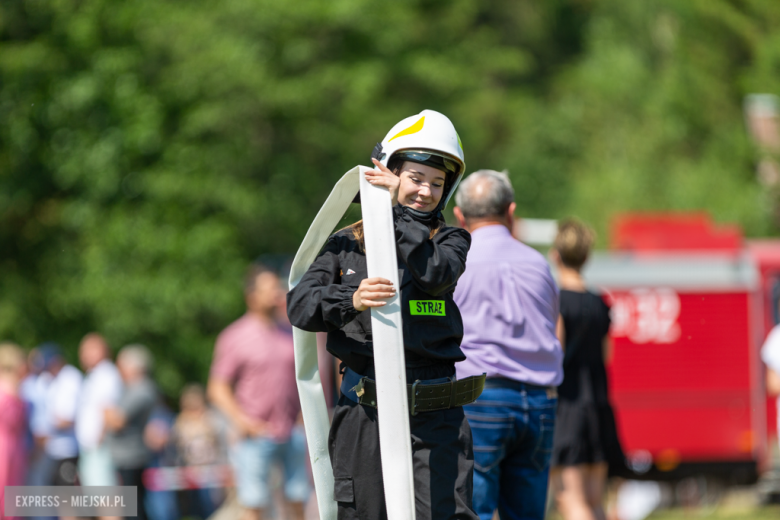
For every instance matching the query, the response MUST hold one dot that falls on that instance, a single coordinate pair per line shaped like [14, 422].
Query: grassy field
[764, 513]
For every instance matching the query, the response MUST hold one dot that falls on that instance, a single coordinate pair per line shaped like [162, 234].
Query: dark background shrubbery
[149, 149]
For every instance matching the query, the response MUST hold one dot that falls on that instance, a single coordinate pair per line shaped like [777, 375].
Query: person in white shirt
[770, 355]
[62, 396]
[101, 390]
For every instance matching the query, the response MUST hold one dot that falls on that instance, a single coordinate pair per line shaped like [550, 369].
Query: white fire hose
[387, 331]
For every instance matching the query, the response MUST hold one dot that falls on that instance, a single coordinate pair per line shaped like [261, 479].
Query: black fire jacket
[428, 273]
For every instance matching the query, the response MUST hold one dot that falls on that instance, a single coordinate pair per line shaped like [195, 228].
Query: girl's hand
[370, 291]
[384, 177]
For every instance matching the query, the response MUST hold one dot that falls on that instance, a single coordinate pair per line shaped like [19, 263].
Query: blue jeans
[512, 425]
[252, 459]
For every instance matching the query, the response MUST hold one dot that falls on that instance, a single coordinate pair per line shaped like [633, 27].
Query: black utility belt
[422, 396]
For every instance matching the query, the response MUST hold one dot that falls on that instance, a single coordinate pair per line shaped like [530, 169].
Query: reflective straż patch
[426, 307]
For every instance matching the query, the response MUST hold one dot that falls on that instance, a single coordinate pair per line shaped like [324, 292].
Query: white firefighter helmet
[428, 138]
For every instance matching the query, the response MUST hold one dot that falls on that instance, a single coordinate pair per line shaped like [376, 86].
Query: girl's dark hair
[394, 165]
[250, 278]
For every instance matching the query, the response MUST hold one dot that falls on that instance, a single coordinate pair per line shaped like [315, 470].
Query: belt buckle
[414, 397]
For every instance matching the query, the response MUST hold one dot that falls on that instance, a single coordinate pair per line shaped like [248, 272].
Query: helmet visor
[431, 159]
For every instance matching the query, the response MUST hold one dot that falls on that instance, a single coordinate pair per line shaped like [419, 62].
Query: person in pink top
[12, 419]
[252, 381]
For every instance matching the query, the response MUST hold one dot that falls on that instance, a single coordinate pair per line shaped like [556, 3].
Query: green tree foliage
[150, 149]
[656, 101]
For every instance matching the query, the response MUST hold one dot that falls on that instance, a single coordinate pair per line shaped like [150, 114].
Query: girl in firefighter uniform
[425, 165]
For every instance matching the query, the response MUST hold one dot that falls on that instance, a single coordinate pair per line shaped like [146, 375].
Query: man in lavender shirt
[252, 382]
[509, 304]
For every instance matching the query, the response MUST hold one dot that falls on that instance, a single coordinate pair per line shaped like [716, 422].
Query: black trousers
[442, 454]
[133, 477]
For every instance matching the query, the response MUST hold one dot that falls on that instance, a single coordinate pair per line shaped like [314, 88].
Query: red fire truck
[692, 303]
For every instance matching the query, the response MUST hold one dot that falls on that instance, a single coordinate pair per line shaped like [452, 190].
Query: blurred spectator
[125, 423]
[585, 437]
[101, 390]
[252, 382]
[198, 435]
[33, 393]
[62, 396]
[12, 419]
[509, 303]
[161, 504]
[33, 390]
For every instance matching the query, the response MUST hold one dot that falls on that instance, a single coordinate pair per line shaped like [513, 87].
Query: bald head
[92, 350]
[485, 194]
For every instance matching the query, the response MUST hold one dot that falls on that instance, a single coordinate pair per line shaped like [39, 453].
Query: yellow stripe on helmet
[411, 130]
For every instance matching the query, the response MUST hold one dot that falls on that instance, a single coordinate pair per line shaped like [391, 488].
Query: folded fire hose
[387, 331]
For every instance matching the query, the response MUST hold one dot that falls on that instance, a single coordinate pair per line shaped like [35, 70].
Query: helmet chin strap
[425, 216]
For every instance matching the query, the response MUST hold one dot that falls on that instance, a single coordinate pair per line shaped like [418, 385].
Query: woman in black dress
[585, 435]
